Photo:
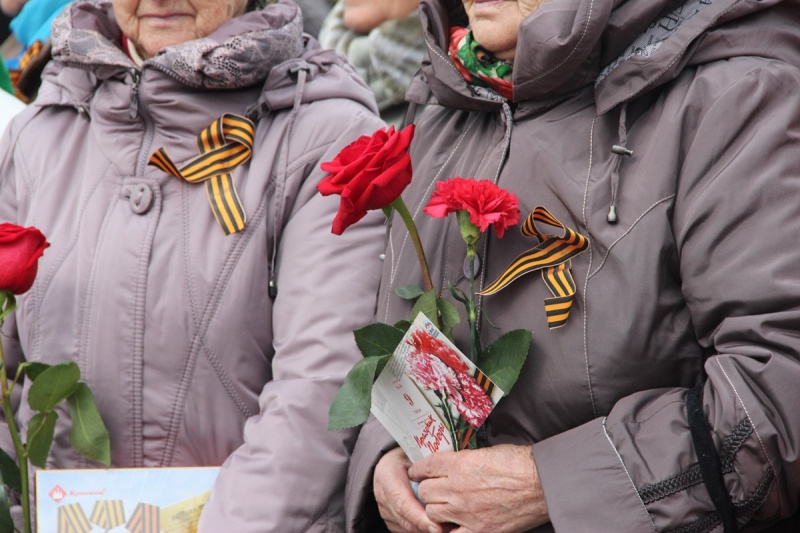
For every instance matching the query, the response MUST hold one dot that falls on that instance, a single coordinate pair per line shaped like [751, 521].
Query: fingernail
[433, 529]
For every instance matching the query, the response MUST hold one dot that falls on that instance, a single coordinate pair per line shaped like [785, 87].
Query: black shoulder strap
[710, 466]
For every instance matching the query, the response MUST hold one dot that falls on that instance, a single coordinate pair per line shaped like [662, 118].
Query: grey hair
[257, 5]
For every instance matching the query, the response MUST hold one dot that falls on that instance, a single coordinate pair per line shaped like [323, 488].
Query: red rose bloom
[20, 250]
[369, 174]
[486, 203]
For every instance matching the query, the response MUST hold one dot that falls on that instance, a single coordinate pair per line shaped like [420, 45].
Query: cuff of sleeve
[586, 486]
[360, 506]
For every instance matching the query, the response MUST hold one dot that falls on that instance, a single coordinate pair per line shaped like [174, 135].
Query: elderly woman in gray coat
[211, 314]
[665, 132]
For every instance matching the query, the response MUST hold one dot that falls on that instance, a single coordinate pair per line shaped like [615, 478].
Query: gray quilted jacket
[698, 281]
[173, 325]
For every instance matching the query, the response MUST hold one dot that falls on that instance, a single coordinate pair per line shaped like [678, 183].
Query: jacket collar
[567, 46]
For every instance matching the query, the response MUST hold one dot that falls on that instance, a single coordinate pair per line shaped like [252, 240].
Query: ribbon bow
[224, 145]
[553, 256]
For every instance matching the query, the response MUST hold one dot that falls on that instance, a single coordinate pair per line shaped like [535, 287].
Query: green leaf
[409, 292]
[33, 370]
[9, 472]
[503, 359]
[458, 294]
[405, 325]
[427, 305]
[448, 314]
[53, 386]
[40, 437]
[351, 405]
[6, 522]
[89, 435]
[8, 303]
[378, 339]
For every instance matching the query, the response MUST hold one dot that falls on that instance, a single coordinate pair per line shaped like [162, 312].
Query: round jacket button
[141, 198]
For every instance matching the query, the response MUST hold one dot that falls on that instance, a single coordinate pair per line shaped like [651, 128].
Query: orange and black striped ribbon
[145, 519]
[223, 146]
[553, 257]
[72, 519]
[466, 432]
[108, 514]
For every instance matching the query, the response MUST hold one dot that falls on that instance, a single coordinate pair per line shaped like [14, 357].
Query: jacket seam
[633, 225]
[585, 293]
[625, 468]
[199, 337]
[755, 430]
[571, 53]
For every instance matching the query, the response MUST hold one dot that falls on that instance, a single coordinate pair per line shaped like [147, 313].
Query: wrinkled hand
[401, 511]
[492, 489]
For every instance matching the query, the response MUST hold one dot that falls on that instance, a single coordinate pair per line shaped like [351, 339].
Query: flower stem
[400, 206]
[472, 313]
[22, 454]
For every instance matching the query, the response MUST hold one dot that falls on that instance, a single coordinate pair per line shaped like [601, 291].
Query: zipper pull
[136, 76]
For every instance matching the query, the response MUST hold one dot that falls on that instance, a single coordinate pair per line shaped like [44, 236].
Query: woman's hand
[493, 489]
[364, 15]
[401, 511]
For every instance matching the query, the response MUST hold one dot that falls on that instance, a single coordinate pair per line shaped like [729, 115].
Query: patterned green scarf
[478, 65]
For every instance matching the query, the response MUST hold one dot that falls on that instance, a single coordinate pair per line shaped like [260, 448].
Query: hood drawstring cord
[618, 150]
[301, 70]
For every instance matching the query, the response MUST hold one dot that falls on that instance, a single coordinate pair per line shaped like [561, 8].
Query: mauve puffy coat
[697, 282]
[190, 359]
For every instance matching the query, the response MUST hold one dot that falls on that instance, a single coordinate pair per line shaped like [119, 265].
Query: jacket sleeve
[735, 221]
[10, 174]
[289, 474]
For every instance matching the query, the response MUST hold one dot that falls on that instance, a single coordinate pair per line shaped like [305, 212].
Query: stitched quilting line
[625, 468]
[755, 430]
[199, 338]
[584, 295]
[633, 225]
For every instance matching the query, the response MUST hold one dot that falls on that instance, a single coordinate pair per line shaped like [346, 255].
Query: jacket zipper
[136, 75]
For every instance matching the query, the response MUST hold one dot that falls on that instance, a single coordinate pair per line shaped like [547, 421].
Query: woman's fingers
[401, 511]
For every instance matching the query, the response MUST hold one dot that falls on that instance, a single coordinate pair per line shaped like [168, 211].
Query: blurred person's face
[154, 24]
[495, 23]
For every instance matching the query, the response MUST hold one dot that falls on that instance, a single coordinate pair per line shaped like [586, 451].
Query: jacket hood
[265, 47]
[624, 47]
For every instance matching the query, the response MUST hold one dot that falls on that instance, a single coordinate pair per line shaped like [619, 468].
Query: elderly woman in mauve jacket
[211, 313]
[666, 133]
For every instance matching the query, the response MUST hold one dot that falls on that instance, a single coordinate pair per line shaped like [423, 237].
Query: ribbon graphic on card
[72, 519]
[553, 257]
[108, 514]
[145, 519]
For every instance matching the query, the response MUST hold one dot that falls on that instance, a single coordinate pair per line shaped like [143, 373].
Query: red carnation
[486, 203]
[20, 250]
[369, 174]
[423, 342]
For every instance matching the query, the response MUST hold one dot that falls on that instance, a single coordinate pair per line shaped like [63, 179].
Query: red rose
[20, 250]
[369, 174]
[486, 203]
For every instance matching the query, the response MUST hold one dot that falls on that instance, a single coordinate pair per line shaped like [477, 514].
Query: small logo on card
[58, 494]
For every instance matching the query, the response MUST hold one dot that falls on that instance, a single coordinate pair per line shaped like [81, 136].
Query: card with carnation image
[430, 396]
